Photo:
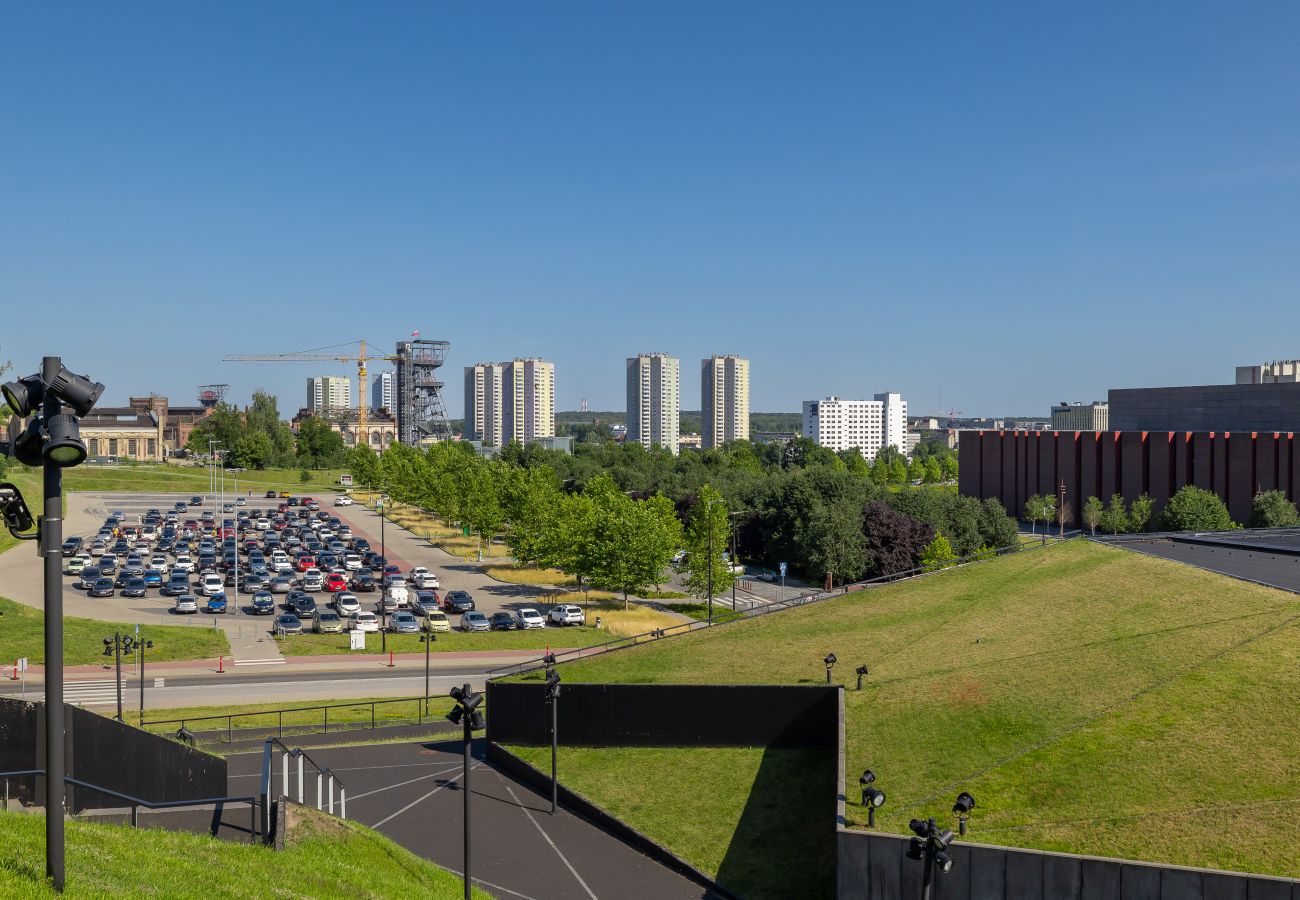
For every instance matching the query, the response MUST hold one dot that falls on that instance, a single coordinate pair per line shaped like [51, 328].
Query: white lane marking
[399, 784]
[415, 802]
[356, 768]
[539, 827]
[488, 884]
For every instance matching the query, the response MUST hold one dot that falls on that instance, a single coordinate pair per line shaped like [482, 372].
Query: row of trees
[258, 439]
[1190, 509]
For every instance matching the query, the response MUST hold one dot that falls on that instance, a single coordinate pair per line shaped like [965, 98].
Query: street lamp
[53, 398]
[115, 646]
[142, 645]
[466, 713]
[428, 639]
[931, 846]
[830, 661]
[383, 554]
[553, 698]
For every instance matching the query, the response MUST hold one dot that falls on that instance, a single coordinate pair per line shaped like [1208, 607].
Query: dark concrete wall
[873, 866]
[665, 715]
[1233, 465]
[1212, 407]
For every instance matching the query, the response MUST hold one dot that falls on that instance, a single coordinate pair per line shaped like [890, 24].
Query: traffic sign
[782, 565]
[22, 664]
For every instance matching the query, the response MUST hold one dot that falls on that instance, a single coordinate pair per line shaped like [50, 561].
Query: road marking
[564, 859]
[93, 692]
[415, 802]
[399, 784]
[354, 768]
[278, 661]
[488, 884]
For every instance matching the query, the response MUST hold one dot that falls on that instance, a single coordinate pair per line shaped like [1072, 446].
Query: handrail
[325, 780]
[136, 802]
[775, 606]
[230, 717]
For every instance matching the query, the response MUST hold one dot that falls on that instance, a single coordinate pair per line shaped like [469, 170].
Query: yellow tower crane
[360, 358]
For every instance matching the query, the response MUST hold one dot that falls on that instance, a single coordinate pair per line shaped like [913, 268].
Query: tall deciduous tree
[893, 542]
[1139, 513]
[707, 527]
[1092, 513]
[1115, 518]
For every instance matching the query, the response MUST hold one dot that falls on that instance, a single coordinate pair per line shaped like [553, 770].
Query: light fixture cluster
[467, 708]
[931, 845]
[52, 404]
[872, 798]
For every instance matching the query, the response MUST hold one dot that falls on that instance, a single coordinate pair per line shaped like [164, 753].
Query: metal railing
[774, 606]
[325, 780]
[229, 718]
[136, 802]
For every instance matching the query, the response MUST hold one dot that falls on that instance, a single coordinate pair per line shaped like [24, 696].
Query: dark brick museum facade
[1012, 465]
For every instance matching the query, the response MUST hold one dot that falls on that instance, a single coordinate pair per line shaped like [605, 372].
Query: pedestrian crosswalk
[90, 693]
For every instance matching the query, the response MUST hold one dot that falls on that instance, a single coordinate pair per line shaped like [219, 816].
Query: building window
[112, 446]
[153, 448]
[93, 450]
[131, 446]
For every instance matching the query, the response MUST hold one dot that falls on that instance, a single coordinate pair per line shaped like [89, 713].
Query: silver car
[474, 621]
[403, 622]
[186, 603]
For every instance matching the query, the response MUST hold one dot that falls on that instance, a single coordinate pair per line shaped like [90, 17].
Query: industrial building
[724, 400]
[1265, 407]
[654, 401]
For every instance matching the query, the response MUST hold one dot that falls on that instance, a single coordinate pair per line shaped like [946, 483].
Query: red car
[334, 582]
[306, 562]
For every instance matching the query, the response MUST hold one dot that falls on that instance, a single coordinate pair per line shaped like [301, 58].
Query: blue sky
[1013, 204]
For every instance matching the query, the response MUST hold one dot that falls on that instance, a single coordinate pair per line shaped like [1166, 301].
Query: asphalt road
[412, 793]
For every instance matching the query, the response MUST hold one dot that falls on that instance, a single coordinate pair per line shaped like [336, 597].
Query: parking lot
[412, 793]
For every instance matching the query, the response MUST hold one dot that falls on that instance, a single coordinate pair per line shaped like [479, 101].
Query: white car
[425, 580]
[212, 585]
[567, 614]
[346, 603]
[313, 580]
[159, 563]
[183, 564]
[342, 500]
[529, 618]
[352, 562]
[363, 621]
[262, 524]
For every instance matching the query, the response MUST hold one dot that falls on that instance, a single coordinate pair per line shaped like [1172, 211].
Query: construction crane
[360, 358]
[952, 417]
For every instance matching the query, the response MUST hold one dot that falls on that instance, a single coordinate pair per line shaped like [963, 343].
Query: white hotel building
[869, 425]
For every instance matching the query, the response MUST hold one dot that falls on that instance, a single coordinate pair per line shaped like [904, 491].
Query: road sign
[782, 566]
[22, 664]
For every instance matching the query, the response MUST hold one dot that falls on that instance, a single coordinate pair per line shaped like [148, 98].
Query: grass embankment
[264, 715]
[22, 633]
[765, 798]
[324, 858]
[1093, 700]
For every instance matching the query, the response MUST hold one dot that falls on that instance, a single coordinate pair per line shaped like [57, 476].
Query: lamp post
[861, 672]
[383, 554]
[235, 476]
[872, 798]
[553, 699]
[931, 846]
[115, 646]
[732, 517]
[142, 645]
[427, 639]
[466, 713]
[830, 661]
[52, 439]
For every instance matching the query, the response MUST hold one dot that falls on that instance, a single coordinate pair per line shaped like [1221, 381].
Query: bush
[1196, 509]
[894, 541]
[1271, 509]
[1115, 519]
[938, 555]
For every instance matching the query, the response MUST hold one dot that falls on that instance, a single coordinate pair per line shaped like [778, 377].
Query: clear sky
[1013, 203]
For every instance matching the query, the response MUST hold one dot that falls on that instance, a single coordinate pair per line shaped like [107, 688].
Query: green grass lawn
[700, 611]
[325, 858]
[22, 633]
[345, 712]
[759, 821]
[536, 639]
[1079, 692]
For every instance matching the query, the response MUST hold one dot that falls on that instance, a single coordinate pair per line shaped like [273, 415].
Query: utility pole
[1060, 507]
[51, 537]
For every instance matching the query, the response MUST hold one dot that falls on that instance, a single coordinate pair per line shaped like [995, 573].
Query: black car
[71, 545]
[196, 500]
[364, 583]
[271, 495]
[103, 587]
[458, 601]
[135, 588]
[501, 621]
[263, 603]
[305, 607]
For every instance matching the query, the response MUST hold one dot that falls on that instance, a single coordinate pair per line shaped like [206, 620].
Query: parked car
[186, 603]
[402, 622]
[184, 563]
[281, 584]
[313, 580]
[212, 585]
[135, 587]
[102, 587]
[362, 620]
[196, 500]
[342, 500]
[423, 579]
[364, 583]
[305, 607]
[567, 614]
[529, 618]
[335, 582]
[387, 603]
[178, 583]
[474, 621]
[502, 621]
[153, 578]
[263, 603]
[346, 603]
[75, 565]
[436, 620]
[426, 601]
[216, 603]
[458, 601]
[326, 622]
[287, 624]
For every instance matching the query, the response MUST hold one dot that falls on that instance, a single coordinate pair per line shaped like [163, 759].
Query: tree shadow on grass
[783, 846]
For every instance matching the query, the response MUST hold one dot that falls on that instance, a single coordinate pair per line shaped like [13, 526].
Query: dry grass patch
[519, 574]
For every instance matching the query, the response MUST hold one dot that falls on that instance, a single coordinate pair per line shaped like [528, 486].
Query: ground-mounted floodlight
[466, 713]
[861, 673]
[830, 661]
[872, 798]
[185, 736]
[931, 846]
[961, 809]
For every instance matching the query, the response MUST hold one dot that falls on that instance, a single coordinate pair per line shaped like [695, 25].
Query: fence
[374, 722]
[766, 609]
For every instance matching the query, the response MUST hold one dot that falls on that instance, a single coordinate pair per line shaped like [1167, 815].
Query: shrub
[1271, 509]
[1196, 509]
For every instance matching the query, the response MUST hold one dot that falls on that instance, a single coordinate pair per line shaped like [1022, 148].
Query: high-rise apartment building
[329, 392]
[654, 400]
[724, 400]
[868, 425]
[528, 399]
[511, 401]
[383, 391]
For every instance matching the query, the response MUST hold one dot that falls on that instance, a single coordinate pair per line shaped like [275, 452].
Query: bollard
[301, 795]
[390, 659]
[319, 795]
[331, 794]
[343, 803]
[221, 665]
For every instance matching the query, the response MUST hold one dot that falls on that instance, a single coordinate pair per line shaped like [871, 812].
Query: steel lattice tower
[421, 411]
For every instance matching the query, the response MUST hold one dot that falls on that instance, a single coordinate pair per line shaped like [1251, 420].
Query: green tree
[997, 529]
[1092, 513]
[897, 471]
[362, 464]
[1139, 514]
[252, 451]
[1271, 509]
[880, 470]
[916, 471]
[836, 544]
[532, 501]
[319, 445]
[481, 499]
[1196, 509]
[225, 424]
[708, 526]
[949, 466]
[933, 471]
[633, 541]
[938, 555]
[1115, 518]
[1035, 512]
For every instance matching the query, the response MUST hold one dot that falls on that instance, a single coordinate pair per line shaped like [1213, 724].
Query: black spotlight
[931, 845]
[64, 446]
[27, 446]
[548, 660]
[24, 395]
[961, 809]
[830, 661]
[862, 671]
[76, 391]
[13, 510]
[867, 777]
[872, 799]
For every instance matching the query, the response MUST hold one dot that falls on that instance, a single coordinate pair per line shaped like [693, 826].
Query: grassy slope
[1079, 692]
[22, 633]
[784, 813]
[119, 861]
